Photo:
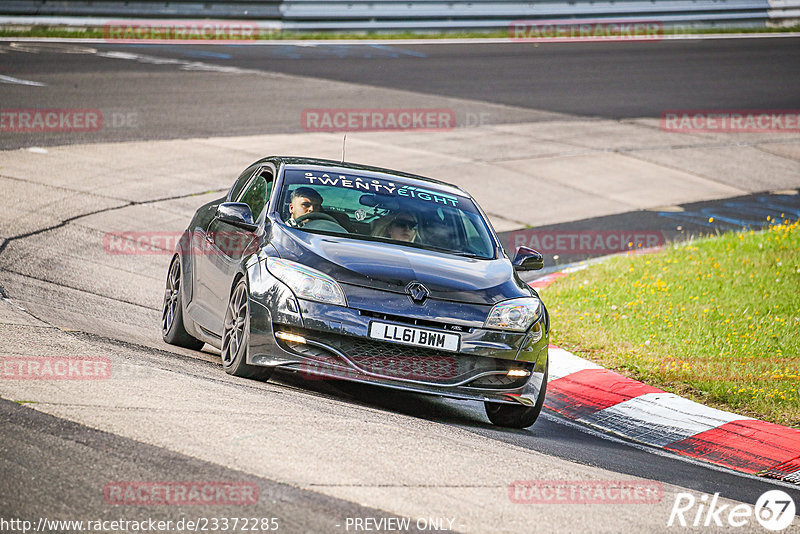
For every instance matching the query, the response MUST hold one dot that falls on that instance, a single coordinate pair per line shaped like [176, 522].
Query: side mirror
[237, 214]
[527, 259]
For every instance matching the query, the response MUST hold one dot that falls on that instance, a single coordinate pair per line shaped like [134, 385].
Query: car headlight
[307, 283]
[515, 314]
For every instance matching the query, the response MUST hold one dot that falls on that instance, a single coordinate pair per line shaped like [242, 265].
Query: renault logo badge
[417, 292]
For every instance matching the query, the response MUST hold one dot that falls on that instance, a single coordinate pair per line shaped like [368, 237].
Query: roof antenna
[344, 140]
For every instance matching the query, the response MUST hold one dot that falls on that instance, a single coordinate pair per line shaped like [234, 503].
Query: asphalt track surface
[611, 80]
[57, 464]
[180, 100]
[51, 465]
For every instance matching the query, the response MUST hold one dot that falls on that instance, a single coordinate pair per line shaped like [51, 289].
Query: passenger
[401, 226]
[438, 233]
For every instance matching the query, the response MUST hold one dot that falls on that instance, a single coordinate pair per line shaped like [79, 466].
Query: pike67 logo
[774, 510]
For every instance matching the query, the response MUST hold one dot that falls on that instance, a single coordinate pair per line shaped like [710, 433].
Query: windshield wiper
[454, 252]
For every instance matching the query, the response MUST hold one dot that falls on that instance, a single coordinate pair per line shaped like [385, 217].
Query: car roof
[364, 170]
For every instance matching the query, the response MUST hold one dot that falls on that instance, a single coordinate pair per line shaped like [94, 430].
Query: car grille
[402, 362]
[399, 361]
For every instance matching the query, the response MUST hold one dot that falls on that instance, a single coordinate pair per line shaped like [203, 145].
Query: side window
[242, 180]
[476, 240]
[257, 192]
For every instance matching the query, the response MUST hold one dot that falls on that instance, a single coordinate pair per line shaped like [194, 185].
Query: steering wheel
[314, 216]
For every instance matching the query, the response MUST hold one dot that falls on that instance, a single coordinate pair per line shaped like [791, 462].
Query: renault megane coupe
[358, 273]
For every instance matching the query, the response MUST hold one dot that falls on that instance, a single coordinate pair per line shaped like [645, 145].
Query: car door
[201, 307]
[228, 245]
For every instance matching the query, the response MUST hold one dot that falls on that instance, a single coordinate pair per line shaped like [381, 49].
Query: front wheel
[516, 415]
[236, 337]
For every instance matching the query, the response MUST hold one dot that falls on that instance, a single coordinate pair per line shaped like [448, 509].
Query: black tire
[517, 415]
[236, 336]
[172, 329]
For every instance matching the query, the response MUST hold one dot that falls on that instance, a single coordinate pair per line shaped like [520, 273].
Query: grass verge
[716, 319]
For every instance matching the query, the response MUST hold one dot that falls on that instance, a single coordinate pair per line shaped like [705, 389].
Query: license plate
[419, 337]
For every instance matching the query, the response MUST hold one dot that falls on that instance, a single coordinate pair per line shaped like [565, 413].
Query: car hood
[390, 267]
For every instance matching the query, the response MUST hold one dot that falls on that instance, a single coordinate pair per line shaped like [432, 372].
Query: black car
[346, 271]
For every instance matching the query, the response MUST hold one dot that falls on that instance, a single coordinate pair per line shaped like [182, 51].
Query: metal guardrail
[494, 9]
[494, 14]
[399, 15]
[784, 12]
[241, 9]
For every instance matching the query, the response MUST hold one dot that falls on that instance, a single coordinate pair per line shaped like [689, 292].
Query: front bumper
[332, 342]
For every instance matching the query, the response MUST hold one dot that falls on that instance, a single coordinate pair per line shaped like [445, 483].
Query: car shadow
[428, 407]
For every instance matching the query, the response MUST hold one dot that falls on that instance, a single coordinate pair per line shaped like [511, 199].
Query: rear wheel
[236, 336]
[172, 329]
[516, 415]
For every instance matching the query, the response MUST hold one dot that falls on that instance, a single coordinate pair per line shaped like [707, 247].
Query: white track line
[11, 79]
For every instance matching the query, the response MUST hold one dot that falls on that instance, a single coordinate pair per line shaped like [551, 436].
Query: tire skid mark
[128, 204]
[65, 286]
[5, 296]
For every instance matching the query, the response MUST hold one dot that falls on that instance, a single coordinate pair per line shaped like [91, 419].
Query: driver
[303, 200]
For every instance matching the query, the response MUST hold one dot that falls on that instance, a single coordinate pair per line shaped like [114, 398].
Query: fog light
[518, 372]
[292, 338]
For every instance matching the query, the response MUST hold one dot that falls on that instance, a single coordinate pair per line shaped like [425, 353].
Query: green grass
[715, 319]
[97, 33]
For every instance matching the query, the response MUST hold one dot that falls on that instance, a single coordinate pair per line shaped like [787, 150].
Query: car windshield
[384, 209]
